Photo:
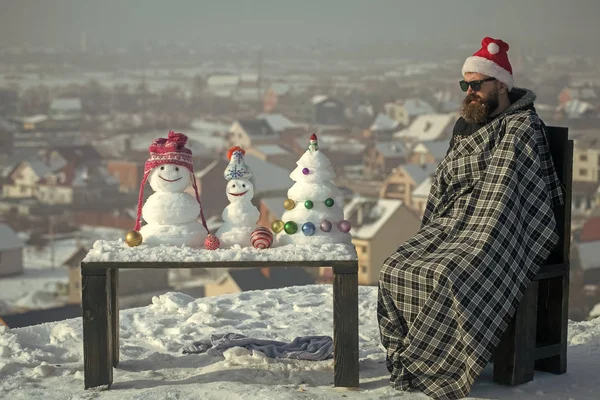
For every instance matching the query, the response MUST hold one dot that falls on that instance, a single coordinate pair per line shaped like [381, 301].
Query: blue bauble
[308, 228]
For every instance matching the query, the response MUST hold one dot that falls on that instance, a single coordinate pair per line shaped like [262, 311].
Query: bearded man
[447, 295]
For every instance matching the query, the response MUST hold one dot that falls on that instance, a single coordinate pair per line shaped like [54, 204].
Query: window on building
[363, 249]
[583, 157]
[363, 269]
[583, 172]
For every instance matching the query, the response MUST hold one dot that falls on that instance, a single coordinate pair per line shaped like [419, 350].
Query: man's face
[479, 105]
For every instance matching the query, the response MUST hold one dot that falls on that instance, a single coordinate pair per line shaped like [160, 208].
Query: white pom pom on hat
[493, 48]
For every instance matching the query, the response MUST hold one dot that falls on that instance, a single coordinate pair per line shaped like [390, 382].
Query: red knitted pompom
[234, 148]
[178, 138]
[211, 242]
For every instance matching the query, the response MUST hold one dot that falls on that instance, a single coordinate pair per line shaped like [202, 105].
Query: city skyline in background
[423, 28]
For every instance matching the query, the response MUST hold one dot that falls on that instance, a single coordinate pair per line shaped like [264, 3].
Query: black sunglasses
[475, 85]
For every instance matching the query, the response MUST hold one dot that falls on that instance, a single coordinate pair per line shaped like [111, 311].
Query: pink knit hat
[171, 150]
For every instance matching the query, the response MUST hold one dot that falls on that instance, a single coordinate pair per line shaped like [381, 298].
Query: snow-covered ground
[46, 361]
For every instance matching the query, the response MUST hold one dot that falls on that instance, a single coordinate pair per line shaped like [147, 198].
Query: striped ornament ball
[261, 238]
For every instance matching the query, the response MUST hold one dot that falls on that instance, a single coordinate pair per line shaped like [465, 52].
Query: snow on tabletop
[119, 251]
[46, 361]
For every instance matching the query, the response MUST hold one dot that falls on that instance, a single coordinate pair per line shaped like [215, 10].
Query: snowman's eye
[176, 168]
[232, 186]
[244, 185]
[162, 168]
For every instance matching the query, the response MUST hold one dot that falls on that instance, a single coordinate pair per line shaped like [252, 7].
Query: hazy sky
[537, 23]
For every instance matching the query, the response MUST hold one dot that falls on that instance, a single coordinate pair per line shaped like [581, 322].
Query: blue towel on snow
[314, 348]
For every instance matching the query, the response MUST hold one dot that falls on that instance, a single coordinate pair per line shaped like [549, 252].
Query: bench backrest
[561, 149]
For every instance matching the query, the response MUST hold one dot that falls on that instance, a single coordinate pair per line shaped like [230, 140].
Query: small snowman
[170, 213]
[240, 216]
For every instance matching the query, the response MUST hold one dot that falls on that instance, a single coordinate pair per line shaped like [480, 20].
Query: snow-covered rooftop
[418, 173]
[379, 213]
[423, 189]
[9, 239]
[278, 122]
[384, 123]
[427, 127]
[589, 254]
[271, 149]
[268, 177]
[437, 148]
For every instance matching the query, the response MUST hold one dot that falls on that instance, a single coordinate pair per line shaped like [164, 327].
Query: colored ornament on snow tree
[261, 238]
[133, 238]
[321, 220]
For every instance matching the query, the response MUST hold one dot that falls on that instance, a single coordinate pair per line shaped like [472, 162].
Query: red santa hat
[171, 150]
[491, 60]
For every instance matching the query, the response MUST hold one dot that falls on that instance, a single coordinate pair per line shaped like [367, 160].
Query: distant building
[251, 132]
[382, 157]
[241, 280]
[401, 182]
[379, 226]
[432, 152]
[324, 110]
[65, 109]
[429, 127]
[406, 111]
[11, 252]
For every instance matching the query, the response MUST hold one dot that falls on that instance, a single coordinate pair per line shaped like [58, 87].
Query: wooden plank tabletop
[98, 265]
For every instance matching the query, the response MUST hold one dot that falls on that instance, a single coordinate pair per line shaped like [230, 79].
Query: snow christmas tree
[240, 216]
[314, 211]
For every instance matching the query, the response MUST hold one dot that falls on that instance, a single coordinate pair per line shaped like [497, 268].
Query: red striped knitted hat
[171, 150]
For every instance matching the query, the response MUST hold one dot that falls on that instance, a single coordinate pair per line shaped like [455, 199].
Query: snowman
[240, 216]
[170, 212]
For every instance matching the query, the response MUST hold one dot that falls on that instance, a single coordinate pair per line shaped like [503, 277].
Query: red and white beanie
[171, 150]
[491, 60]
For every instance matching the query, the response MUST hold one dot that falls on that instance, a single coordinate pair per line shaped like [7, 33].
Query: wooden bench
[537, 337]
[100, 303]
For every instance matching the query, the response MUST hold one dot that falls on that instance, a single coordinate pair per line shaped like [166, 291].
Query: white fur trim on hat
[489, 68]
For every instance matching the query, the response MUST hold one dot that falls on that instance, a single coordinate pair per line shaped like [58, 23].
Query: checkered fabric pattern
[447, 294]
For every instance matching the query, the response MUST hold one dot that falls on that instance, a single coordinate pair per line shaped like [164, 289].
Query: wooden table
[100, 303]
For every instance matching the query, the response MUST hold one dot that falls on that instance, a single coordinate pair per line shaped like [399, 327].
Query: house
[429, 127]
[65, 109]
[406, 111]
[383, 126]
[274, 154]
[432, 152]
[583, 197]
[7, 131]
[278, 122]
[31, 122]
[582, 93]
[251, 132]
[588, 258]
[269, 179]
[327, 111]
[586, 156]
[11, 252]
[379, 226]
[383, 156]
[401, 182]
[420, 195]
[590, 232]
[242, 280]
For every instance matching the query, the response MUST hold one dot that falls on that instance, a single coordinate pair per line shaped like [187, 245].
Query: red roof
[591, 230]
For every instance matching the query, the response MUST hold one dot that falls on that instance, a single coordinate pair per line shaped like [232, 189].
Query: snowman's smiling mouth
[239, 194]
[169, 180]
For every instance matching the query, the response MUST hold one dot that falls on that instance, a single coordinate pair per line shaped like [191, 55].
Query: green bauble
[290, 227]
[308, 204]
[329, 202]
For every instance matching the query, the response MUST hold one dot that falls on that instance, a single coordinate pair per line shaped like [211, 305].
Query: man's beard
[479, 111]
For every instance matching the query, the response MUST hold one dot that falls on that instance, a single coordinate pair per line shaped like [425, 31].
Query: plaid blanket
[448, 293]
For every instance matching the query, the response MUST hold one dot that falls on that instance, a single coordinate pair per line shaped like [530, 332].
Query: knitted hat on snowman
[237, 168]
[491, 60]
[163, 151]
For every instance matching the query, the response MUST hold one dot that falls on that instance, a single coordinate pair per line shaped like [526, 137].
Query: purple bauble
[344, 226]
[325, 225]
[305, 171]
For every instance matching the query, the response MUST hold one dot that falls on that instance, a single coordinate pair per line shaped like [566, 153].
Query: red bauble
[211, 242]
[261, 238]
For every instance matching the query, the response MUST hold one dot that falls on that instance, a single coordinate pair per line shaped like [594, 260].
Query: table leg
[345, 326]
[97, 321]
[114, 302]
